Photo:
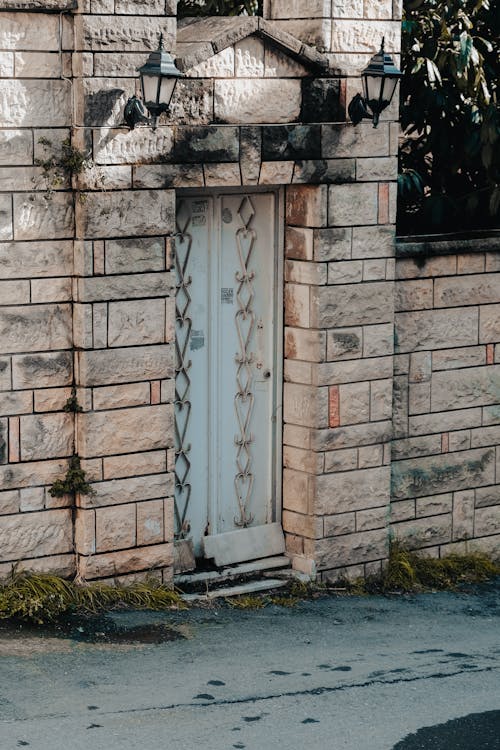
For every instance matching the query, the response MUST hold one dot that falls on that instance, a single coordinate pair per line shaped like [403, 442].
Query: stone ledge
[442, 244]
[42, 6]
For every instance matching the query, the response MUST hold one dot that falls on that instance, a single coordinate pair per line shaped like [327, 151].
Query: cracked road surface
[357, 673]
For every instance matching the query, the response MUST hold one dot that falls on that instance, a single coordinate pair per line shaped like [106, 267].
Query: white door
[228, 393]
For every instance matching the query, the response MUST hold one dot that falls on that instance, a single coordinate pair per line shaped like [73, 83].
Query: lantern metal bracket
[135, 113]
[358, 111]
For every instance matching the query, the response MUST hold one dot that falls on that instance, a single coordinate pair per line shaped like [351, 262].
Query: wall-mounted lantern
[158, 79]
[380, 79]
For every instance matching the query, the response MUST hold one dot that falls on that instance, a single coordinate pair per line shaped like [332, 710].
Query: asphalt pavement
[357, 673]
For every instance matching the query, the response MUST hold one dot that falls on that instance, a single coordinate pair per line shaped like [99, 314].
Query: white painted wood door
[228, 382]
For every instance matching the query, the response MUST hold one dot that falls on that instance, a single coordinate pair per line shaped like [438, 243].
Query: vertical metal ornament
[245, 320]
[182, 405]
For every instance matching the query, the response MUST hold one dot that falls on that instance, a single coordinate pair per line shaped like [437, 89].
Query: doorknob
[267, 374]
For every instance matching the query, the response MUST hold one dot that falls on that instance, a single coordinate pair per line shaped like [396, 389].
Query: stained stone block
[126, 213]
[6, 228]
[352, 141]
[207, 144]
[127, 561]
[35, 103]
[353, 304]
[42, 370]
[291, 142]
[351, 549]
[135, 255]
[452, 471]
[477, 386]
[125, 365]
[365, 37]
[353, 204]
[116, 34]
[130, 286]
[257, 100]
[168, 176]
[142, 145]
[316, 32]
[251, 156]
[46, 436]
[101, 101]
[436, 329]
[324, 171]
[136, 322]
[36, 216]
[192, 103]
[322, 101]
[425, 532]
[35, 328]
[16, 147]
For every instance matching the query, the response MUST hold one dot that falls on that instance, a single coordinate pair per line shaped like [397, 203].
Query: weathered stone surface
[322, 101]
[353, 490]
[101, 289]
[118, 396]
[355, 435]
[9, 502]
[306, 205]
[42, 65]
[332, 244]
[489, 323]
[206, 144]
[136, 322]
[354, 403]
[349, 549]
[126, 213]
[24, 31]
[436, 329]
[324, 171]
[42, 370]
[125, 365]
[434, 505]
[150, 522]
[315, 32]
[427, 476]
[168, 175]
[36, 328]
[16, 147]
[132, 464]
[306, 406]
[220, 65]
[445, 420]
[365, 37]
[486, 496]
[6, 225]
[141, 145]
[291, 142]
[477, 386]
[346, 140]
[121, 431]
[35, 534]
[278, 64]
[425, 532]
[192, 103]
[136, 255]
[222, 175]
[127, 490]
[115, 34]
[426, 267]
[51, 290]
[144, 7]
[35, 103]
[353, 304]
[414, 295]
[15, 403]
[478, 289]
[36, 216]
[372, 169]
[46, 436]
[344, 343]
[14, 292]
[353, 204]
[353, 371]
[250, 159]
[417, 446]
[257, 100]
[115, 528]
[463, 515]
[487, 521]
[127, 561]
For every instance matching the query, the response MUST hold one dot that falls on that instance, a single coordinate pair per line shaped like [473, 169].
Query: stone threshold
[243, 574]
[252, 587]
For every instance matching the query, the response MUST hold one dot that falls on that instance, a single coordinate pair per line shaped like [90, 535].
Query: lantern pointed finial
[160, 45]
[382, 46]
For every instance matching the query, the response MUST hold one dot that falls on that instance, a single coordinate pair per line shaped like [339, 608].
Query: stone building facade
[387, 406]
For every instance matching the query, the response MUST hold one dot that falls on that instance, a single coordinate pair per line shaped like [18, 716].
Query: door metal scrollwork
[245, 320]
[183, 244]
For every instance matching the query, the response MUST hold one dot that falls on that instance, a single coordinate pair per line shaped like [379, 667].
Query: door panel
[226, 450]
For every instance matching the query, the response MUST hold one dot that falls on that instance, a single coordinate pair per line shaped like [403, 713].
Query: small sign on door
[227, 295]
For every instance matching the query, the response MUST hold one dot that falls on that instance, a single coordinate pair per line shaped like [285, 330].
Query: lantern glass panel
[389, 89]
[373, 86]
[150, 88]
[167, 89]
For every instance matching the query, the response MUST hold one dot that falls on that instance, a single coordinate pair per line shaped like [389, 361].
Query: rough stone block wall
[446, 448]
[338, 362]
[36, 266]
[123, 301]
